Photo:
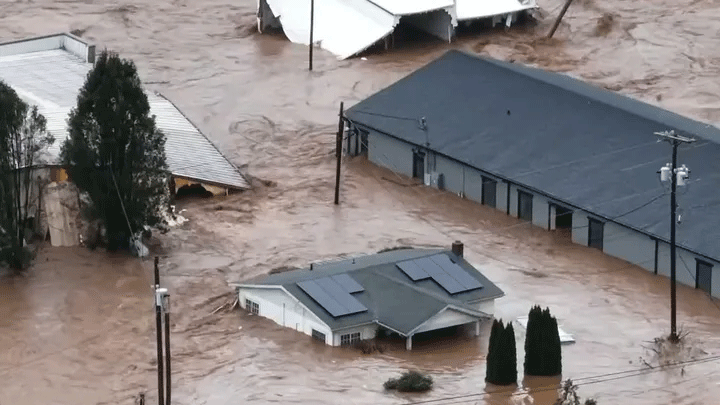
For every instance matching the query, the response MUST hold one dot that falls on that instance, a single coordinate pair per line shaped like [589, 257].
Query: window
[595, 233]
[525, 205]
[489, 192]
[703, 275]
[318, 335]
[349, 339]
[252, 307]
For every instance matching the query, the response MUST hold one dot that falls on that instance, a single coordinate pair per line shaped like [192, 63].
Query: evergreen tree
[114, 151]
[23, 137]
[501, 366]
[543, 353]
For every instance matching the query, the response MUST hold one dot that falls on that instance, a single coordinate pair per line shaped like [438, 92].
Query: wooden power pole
[560, 17]
[312, 26]
[338, 153]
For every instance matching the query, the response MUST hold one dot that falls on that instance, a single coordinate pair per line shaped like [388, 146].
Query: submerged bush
[411, 381]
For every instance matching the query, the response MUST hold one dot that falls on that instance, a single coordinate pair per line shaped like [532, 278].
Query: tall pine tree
[115, 152]
[501, 364]
[543, 353]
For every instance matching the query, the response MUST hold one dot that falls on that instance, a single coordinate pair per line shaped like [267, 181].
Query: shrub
[501, 365]
[411, 381]
[543, 354]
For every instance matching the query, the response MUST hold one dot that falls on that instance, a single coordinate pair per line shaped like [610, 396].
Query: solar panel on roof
[457, 272]
[412, 270]
[448, 283]
[430, 267]
[340, 295]
[323, 299]
[348, 284]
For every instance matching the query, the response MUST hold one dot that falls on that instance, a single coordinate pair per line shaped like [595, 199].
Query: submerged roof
[390, 297]
[348, 27]
[49, 72]
[588, 147]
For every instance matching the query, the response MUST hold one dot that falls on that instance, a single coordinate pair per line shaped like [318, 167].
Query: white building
[348, 27]
[406, 291]
[49, 72]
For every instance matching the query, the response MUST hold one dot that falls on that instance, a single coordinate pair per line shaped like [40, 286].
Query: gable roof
[555, 135]
[391, 297]
[49, 72]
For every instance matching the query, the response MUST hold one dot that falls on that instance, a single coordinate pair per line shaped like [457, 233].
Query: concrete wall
[285, 310]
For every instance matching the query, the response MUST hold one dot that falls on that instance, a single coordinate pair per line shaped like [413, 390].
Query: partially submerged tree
[568, 395]
[23, 137]
[410, 381]
[115, 153]
[543, 353]
[501, 364]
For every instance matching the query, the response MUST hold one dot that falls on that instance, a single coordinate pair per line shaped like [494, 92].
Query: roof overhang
[466, 311]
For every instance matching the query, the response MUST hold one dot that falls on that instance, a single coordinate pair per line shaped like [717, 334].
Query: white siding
[452, 172]
[487, 307]
[501, 197]
[580, 227]
[366, 332]
[444, 319]
[285, 310]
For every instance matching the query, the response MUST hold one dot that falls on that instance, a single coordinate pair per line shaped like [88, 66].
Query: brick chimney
[458, 248]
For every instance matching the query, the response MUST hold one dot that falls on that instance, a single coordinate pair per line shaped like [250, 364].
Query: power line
[589, 380]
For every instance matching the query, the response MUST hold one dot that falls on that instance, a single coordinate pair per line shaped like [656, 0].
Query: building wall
[366, 332]
[285, 310]
[618, 241]
[390, 153]
[487, 307]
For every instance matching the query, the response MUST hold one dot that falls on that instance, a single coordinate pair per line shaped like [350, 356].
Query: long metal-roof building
[553, 151]
[49, 71]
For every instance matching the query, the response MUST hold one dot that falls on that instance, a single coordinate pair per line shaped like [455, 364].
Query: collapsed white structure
[348, 27]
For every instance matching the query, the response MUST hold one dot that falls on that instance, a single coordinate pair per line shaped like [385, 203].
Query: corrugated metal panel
[472, 9]
[405, 7]
[51, 80]
[343, 27]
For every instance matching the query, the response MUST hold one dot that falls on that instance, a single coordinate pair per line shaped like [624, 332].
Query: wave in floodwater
[79, 327]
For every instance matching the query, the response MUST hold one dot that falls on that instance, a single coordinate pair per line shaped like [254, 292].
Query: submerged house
[408, 291]
[348, 27]
[553, 151]
[48, 72]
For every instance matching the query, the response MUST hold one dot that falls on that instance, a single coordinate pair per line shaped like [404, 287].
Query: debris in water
[604, 25]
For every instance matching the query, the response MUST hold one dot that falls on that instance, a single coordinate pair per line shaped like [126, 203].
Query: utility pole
[312, 26]
[676, 176]
[338, 153]
[158, 327]
[560, 17]
[162, 307]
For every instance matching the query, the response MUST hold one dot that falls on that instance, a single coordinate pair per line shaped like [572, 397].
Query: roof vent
[458, 248]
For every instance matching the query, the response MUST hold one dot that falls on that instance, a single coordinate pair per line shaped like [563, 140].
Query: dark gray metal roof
[591, 148]
[391, 297]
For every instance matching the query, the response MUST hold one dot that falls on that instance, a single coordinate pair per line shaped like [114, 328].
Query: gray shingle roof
[51, 79]
[391, 297]
[591, 148]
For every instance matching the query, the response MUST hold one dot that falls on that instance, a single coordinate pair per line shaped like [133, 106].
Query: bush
[411, 381]
[543, 354]
[501, 365]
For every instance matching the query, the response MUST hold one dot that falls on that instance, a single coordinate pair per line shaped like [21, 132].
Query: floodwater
[79, 327]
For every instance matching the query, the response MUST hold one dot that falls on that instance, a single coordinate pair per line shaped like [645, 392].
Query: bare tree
[23, 137]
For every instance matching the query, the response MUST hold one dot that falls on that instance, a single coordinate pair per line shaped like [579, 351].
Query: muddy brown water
[79, 327]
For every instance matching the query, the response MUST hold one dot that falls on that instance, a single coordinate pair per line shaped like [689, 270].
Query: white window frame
[350, 339]
[252, 307]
